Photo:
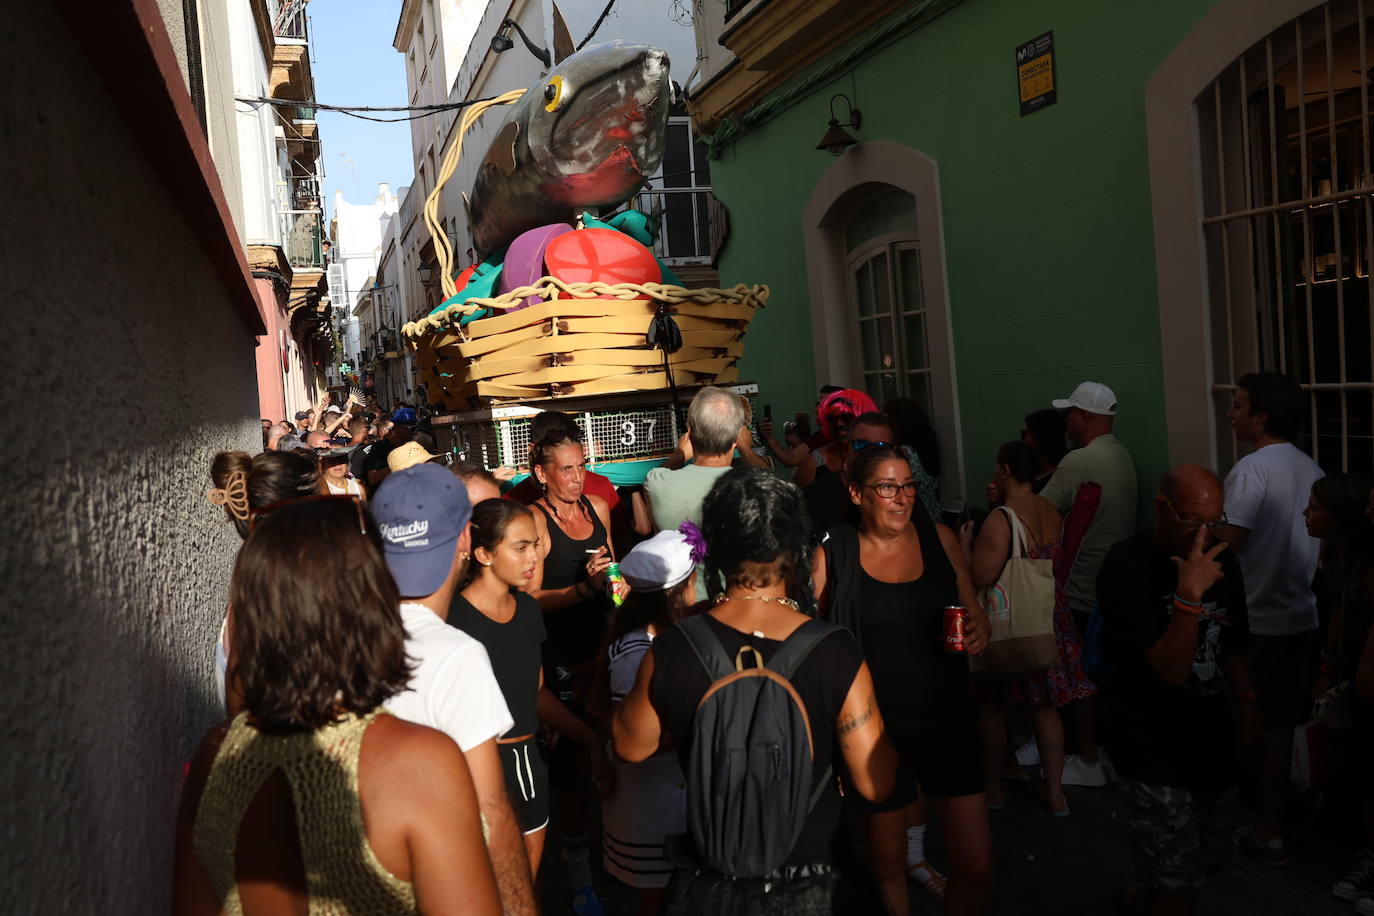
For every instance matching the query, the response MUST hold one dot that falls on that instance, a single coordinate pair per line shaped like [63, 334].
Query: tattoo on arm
[850, 722]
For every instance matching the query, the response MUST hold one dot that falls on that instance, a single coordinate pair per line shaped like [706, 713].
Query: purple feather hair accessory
[695, 539]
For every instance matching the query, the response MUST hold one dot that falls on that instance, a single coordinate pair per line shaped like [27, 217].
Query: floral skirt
[1066, 681]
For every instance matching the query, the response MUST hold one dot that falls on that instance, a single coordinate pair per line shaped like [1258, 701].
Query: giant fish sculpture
[584, 137]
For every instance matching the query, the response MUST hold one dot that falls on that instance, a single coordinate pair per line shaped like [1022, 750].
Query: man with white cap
[1100, 458]
[422, 513]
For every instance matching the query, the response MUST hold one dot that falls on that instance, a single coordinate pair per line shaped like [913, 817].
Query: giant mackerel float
[585, 137]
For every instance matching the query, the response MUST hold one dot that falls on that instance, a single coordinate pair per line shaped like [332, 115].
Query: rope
[443, 249]
[554, 288]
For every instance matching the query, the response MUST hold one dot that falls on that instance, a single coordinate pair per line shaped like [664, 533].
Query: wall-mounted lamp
[501, 42]
[426, 272]
[836, 138]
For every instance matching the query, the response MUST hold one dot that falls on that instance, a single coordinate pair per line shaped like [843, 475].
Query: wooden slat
[498, 390]
[635, 325]
[709, 338]
[560, 374]
[562, 343]
[562, 308]
[483, 345]
[718, 311]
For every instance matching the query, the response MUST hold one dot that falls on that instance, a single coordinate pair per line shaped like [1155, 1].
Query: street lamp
[837, 139]
[501, 43]
[426, 272]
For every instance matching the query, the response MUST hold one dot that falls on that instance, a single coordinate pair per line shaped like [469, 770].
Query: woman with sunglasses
[837, 412]
[889, 580]
[314, 797]
[1045, 692]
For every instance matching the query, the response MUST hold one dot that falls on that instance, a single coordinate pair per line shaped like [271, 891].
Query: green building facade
[1038, 231]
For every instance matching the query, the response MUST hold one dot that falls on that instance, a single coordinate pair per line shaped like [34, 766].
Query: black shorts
[527, 783]
[940, 759]
[1279, 668]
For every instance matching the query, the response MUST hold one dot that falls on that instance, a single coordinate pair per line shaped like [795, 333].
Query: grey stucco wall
[128, 368]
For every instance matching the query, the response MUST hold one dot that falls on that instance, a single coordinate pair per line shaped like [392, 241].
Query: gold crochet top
[343, 875]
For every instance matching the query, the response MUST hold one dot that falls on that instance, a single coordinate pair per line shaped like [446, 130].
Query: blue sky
[356, 65]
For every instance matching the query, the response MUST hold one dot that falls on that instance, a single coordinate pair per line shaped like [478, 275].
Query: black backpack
[749, 771]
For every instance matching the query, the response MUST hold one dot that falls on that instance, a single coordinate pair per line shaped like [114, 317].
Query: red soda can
[956, 617]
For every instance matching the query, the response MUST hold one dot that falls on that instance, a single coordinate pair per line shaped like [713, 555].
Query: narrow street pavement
[1072, 865]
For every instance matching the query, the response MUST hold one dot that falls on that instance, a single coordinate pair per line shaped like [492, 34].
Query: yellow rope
[552, 287]
[443, 248]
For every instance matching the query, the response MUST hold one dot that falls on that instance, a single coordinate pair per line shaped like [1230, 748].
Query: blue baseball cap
[421, 512]
[404, 416]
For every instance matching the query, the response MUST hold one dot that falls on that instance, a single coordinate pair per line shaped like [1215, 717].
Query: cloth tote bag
[1020, 609]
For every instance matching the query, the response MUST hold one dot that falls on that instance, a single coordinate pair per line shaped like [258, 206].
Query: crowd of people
[428, 665]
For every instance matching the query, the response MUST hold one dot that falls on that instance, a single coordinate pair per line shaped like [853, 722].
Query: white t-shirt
[1266, 493]
[453, 688]
[349, 487]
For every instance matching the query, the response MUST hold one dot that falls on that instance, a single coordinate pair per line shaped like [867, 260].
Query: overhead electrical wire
[599, 19]
[421, 111]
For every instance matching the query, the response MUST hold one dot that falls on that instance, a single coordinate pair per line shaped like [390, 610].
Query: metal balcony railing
[289, 20]
[684, 235]
[305, 193]
[302, 238]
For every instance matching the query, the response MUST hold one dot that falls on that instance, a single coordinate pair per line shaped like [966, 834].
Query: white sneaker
[1028, 754]
[1365, 907]
[1079, 773]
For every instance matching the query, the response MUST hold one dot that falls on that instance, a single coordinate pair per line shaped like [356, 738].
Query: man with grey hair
[715, 428]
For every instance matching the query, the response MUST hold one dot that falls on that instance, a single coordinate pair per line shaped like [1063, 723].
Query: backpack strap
[798, 646]
[785, 663]
[706, 647]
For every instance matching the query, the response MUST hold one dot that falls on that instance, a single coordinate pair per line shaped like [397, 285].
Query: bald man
[1175, 633]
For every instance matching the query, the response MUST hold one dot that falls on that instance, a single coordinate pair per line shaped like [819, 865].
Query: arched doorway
[876, 276]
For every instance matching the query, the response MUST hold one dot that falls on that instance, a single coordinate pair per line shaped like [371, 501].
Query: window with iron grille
[1288, 226]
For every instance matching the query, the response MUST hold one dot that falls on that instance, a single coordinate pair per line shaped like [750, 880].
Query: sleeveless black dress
[925, 694]
[575, 632]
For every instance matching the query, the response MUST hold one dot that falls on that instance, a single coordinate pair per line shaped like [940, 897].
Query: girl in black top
[571, 587]
[507, 622]
[757, 536]
[889, 581]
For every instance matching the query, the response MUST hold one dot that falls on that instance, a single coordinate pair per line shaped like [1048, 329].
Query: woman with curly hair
[757, 566]
[314, 795]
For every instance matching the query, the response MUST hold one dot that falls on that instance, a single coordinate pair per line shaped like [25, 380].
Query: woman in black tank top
[889, 580]
[572, 589]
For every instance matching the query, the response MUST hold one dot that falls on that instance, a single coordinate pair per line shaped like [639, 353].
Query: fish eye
[554, 92]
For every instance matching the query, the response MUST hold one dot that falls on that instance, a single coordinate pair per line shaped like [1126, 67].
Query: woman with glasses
[888, 581]
[1045, 692]
[314, 798]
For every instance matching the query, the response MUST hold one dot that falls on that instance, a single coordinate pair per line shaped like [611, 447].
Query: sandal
[924, 874]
